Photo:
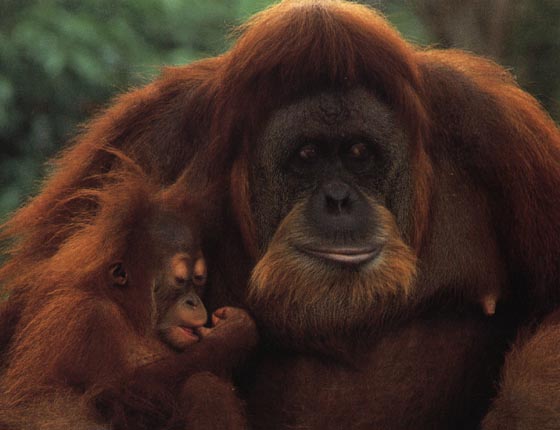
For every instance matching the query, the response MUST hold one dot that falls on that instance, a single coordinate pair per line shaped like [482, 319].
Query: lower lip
[189, 332]
[351, 257]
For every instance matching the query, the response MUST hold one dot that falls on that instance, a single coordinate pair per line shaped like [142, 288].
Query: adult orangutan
[110, 332]
[398, 209]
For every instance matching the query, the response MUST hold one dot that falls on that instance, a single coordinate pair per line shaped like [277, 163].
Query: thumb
[204, 331]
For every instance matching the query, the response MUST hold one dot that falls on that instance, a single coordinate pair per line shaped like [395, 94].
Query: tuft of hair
[60, 411]
[529, 392]
[299, 47]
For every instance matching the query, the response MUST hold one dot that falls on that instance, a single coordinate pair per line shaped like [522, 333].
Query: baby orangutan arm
[232, 337]
[153, 389]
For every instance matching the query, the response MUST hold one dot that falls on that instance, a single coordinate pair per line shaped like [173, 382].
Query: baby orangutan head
[178, 279]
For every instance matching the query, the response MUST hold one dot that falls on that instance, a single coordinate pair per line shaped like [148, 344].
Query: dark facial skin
[179, 279]
[334, 152]
[334, 188]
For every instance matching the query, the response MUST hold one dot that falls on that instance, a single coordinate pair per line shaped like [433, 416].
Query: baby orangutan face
[179, 309]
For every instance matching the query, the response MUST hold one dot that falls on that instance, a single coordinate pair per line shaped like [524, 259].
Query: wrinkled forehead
[329, 115]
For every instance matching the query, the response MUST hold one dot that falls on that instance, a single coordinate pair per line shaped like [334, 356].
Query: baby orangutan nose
[186, 268]
[193, 300]
[193, 313]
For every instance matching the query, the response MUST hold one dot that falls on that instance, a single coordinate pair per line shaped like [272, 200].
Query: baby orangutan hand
[235, 330]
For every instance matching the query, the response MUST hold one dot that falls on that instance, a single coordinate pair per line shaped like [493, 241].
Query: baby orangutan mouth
[181, 336]
[190, 332]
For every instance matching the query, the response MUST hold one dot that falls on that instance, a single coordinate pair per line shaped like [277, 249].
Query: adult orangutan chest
[431, 374]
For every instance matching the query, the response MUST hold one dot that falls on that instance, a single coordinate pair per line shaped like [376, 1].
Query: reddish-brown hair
[475, 139]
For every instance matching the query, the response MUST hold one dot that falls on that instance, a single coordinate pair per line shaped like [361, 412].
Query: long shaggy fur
[161, 118]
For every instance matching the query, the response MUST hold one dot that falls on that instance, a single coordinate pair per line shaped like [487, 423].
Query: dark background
[61, 61]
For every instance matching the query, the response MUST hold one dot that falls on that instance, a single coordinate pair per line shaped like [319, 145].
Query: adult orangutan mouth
[345, 255]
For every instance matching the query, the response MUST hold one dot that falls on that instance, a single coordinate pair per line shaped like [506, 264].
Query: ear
[118, 275]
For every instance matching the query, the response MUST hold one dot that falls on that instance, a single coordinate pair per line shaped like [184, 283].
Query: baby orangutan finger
[203, 331]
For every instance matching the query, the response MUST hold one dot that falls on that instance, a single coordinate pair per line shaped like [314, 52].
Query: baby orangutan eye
[118, 274]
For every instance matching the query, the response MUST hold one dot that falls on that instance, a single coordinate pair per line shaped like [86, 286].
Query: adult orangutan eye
[308, 152]
[304, 158]
[358, 152]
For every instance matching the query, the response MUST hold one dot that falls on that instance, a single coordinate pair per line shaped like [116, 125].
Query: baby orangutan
[111, 332]
[179, 313]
